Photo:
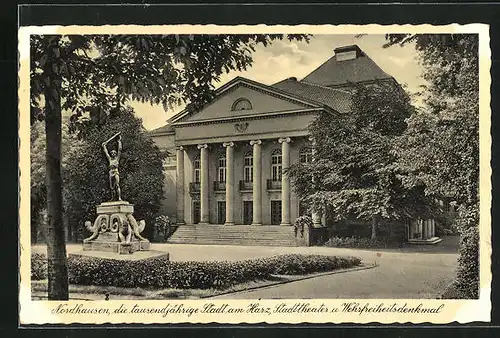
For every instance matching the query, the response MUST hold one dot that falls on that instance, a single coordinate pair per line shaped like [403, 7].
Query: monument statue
[114, 160]
[115, 229]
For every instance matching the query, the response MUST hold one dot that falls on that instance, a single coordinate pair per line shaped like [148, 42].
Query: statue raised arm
[119, 146]
[113, 157]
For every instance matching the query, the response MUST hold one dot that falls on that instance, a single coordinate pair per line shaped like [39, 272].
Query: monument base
[115, 230]
[116, 247]
[137, 256]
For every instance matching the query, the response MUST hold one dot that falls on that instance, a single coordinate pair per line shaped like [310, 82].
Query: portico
[236, 176]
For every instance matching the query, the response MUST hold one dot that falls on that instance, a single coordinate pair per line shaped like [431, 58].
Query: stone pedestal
[115, 230]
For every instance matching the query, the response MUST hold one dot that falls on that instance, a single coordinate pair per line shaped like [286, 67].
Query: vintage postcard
[254, 174]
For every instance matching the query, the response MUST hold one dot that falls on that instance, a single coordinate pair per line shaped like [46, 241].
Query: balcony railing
[194, 187]
[273, 185]
[246, 185]
[219, 186]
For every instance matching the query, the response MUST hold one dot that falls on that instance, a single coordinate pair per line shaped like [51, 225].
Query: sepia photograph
[292, 166]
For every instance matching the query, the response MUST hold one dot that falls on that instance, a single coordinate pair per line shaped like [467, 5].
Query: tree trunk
[56, 244]
[374, 227]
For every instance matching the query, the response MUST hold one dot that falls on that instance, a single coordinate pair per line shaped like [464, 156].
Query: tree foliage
[354, 168]
[101, 72]
[441, 145]
[440, 149]
[141, 171]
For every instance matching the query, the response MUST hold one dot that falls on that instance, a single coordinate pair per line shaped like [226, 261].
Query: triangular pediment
[243, 97]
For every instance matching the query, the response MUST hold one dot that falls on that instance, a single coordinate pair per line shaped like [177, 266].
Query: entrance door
[221, 212]
[247, 212]
[196, 212]
[275, 212]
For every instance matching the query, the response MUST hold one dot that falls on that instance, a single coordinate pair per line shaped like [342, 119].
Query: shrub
[38, 266]
[161, 273]
[467, 281]
[301, 265]
[358, 242]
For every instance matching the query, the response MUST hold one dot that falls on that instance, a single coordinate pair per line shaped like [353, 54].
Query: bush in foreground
[360, 242]
[38, 266]
[466, 284]
[159, 273]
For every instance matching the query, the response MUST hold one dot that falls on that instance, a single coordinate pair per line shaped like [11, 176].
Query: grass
[138, 293]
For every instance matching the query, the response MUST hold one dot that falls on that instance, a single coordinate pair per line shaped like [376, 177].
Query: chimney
[347, 53]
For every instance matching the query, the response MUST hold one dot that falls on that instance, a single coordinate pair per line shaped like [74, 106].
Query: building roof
[338, 73]
[164, 129]
[239, 80]
[336, 99]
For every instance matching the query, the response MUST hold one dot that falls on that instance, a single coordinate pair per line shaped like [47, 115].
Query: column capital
[284, 139]
[259, 142]
[202, 146]
[179, 148]
[228, 144]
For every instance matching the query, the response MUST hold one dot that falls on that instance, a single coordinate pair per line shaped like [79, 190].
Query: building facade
[230, 155]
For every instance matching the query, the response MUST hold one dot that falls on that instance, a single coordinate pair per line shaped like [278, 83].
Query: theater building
[230, 155]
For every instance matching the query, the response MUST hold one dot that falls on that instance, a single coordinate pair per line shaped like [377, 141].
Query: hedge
[466, 284]
[160, 273]
[362, 242]
[38, 266]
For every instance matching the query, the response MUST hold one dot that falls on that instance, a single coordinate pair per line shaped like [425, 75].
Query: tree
[92, 75]
[354, 170]
[440, 149]
[141, 170]
[69, 143]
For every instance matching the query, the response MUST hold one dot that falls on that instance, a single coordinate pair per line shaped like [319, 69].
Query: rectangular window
[305, 158]
[222, 170]
[222, 174]
[248, 169]
[196, 166]
[276, 172]
[248, 174]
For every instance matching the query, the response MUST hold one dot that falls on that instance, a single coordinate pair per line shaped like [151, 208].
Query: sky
[284, 59]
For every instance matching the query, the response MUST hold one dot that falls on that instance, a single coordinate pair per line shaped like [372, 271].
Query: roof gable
[262, 99]
[339, 73]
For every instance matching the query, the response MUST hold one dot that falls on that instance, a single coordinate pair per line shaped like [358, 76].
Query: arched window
[196, 166]
[305, 155]
[221, 168]
[241, 104]
[276, 165]
[248, 167]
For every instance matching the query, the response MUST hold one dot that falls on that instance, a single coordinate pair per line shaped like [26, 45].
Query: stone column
[433, 228]
[315, 215]
[204, 207]
[229, 183]
[179, 185]
[285, 181]
[425, 228]
[257, 182]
